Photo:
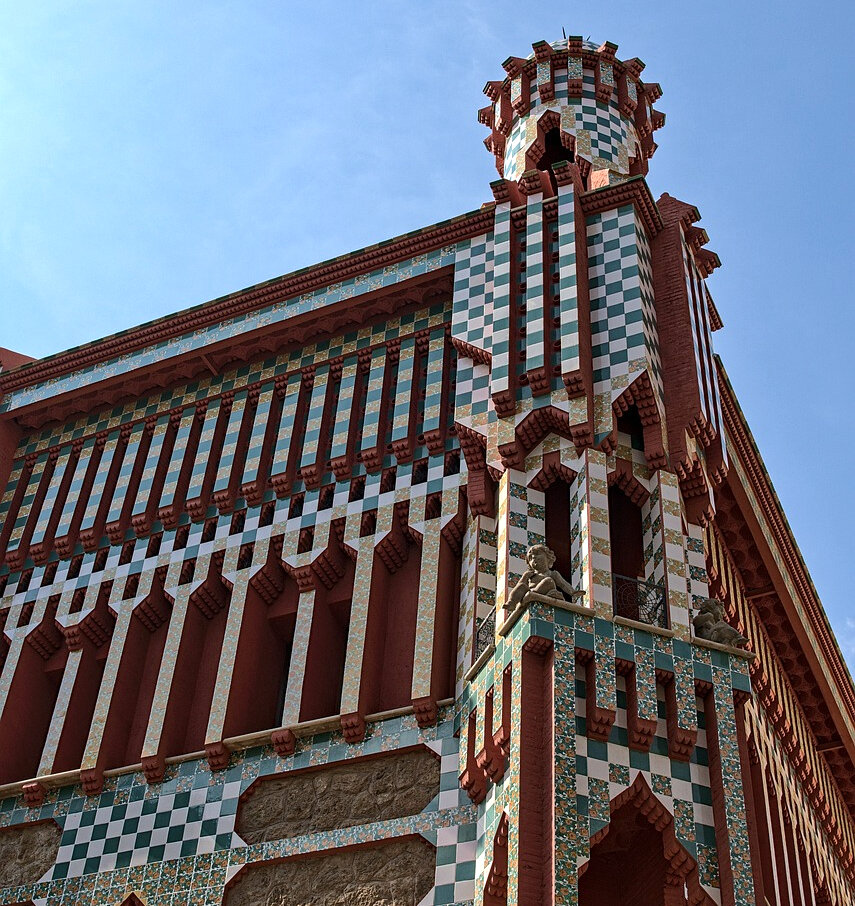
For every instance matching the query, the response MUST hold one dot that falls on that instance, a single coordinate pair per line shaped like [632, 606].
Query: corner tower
[575, 96]
[444, 573]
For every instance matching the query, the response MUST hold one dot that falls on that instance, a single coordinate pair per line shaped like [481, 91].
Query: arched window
[634, 597]
[636, 859]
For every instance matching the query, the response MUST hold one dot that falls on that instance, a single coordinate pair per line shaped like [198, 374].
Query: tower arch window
[634, 595]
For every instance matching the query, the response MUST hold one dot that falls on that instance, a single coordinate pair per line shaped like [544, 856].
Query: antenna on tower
[563, 32]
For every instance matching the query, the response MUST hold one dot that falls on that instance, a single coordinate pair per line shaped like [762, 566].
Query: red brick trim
[277, 290]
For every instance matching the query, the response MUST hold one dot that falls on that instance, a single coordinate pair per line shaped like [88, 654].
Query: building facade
[444, 572]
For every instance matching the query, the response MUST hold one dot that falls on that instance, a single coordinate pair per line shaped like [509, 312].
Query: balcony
[485, 634]
[643, 602]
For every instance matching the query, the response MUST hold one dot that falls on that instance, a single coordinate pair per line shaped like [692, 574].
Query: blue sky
[154, 156]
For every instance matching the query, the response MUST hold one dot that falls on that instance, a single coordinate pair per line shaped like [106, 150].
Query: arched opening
[31, 698]
[627, 866]
[325, 658]
[390, 633]
[554, 151]
[130, 707]
[95, 635]
[558, 526]
[195, 675]
[257, 696]
[633, 597]
[636, 859]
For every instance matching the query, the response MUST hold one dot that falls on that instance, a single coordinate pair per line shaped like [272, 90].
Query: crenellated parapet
[578, 96]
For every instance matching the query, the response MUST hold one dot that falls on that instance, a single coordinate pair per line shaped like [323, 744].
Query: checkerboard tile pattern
[134, 830]
[603, 134]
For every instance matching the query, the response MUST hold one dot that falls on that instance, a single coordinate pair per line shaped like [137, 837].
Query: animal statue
[710, 624]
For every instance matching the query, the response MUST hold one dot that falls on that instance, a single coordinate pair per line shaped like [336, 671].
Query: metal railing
[485, 634]
[638, 600]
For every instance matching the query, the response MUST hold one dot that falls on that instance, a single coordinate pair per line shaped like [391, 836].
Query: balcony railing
[485, 634]
[641, 601]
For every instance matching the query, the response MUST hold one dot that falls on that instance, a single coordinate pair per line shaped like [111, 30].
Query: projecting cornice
[228, 307]
[634, 191]
[815, 631]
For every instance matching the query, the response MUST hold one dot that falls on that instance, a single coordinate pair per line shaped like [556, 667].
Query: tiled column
[119, 504]
[239, 579]
[143, 507]
[290, 391]
[124, 610]
[170, 505]
[180, 594]
[364, 547]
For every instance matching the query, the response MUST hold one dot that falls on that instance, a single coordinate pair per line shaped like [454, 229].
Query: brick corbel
[217, 756]
[473, 779]
[284, 742]
[154, 767]
[353, 727]
[490, 759]
[34, 794]
[640, 731]
[92, 781]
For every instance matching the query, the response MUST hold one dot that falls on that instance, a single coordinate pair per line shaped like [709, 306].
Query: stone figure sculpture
[540, 579]
[709, 624]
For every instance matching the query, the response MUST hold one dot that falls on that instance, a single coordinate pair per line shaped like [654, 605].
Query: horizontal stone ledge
[646, 627]
[728, 649]
[532, 598]
[233, 744]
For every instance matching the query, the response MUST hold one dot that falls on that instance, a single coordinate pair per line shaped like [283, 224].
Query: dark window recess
[325, 499]
[630, 423]
[4, 581]
[433, 506]
[131, 586]
[27, 577]
[154, 543]
[306, 540]
[387, 481]
[420, 471]
[26, 614]
[632, 597]
[188, 569]
[128, 551]
[267, 513]
[100, 560]
[77, 600]
[368, 525]
[558, 525]
[245, 555]
[238, 522]
[357, 488]
[452, 463]
[295, 508]
[553, 152]
[73, 568]
[49, 576]
[210, 529]
[181, 537]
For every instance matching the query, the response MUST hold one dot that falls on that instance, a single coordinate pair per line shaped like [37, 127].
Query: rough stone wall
[27, 852]
[360, 792]
[399, 873]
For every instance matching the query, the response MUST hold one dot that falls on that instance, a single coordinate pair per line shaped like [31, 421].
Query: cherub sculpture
[541, 579]
[709, 624]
